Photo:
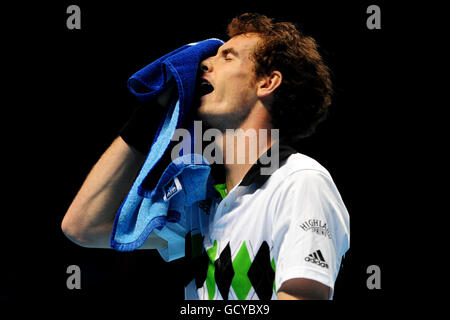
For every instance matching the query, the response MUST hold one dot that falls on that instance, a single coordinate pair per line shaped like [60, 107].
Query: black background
[69, 99]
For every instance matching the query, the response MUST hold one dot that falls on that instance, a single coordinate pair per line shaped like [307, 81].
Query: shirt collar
[254, 174]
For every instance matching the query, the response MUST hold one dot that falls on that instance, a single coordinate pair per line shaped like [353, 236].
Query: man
[267, 236]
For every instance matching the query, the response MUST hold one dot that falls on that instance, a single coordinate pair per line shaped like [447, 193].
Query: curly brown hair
[301, 101]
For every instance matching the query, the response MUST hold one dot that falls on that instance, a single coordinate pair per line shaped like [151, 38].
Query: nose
[206, 65]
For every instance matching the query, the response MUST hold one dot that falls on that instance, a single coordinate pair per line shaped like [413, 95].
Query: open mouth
[204, 87]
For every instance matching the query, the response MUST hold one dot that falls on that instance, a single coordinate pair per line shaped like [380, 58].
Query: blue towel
[185, 180]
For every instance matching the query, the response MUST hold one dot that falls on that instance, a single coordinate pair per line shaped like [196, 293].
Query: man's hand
[167, 94]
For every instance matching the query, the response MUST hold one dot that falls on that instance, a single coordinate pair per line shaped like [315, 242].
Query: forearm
[303, 289]
[90, 217]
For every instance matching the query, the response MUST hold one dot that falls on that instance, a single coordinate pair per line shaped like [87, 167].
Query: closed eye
[227, 53]
[226, 56]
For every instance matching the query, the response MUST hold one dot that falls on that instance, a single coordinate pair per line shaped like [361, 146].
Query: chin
[206, 111]
[221, 121]
[209, 119]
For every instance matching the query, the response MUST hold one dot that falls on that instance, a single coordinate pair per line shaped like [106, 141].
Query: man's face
[232, 75]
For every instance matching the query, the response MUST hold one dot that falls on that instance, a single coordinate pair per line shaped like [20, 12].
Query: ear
[268, 84]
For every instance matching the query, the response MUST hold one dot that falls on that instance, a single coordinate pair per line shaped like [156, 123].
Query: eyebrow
[230, 50]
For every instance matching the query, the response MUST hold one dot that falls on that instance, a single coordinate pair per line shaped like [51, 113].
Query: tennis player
[276, 234]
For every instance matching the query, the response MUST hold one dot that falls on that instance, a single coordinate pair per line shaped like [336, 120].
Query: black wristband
[140, 130]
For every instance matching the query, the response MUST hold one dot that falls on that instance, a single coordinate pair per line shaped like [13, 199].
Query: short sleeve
[310, 230]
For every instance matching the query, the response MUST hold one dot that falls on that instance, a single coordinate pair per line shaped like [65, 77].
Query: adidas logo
[317, 258]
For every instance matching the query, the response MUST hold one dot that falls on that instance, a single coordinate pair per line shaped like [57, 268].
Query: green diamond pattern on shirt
[240, 273]
[210, 282]
[241, 264]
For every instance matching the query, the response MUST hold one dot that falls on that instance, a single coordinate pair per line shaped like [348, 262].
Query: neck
[242, 147]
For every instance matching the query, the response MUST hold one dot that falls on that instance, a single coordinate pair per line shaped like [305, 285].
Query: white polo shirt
[268, 229]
